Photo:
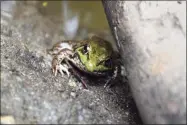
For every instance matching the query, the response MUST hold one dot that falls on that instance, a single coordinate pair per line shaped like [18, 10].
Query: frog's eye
[85, 49]
[108, 62]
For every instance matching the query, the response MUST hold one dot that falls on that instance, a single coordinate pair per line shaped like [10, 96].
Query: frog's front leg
[56, 62]
[77, 74]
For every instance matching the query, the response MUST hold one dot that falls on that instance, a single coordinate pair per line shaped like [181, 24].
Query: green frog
[94, 56]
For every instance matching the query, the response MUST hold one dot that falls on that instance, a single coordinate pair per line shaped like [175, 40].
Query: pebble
[7, 120]
[72, 83]
[73, 94]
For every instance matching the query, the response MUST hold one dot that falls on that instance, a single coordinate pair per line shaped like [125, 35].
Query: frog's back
[101, 45]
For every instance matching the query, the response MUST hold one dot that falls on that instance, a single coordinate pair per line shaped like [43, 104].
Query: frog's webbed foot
[110, 81]
[65, 69]
[56, 62]
[60, 67]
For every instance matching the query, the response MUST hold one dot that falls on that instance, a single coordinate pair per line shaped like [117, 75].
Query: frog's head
[96, 55]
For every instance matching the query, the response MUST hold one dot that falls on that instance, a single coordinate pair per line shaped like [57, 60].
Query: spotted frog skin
[94, 56]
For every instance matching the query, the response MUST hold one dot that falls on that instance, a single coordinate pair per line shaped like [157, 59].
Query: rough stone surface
[31, 94]
[152, 38]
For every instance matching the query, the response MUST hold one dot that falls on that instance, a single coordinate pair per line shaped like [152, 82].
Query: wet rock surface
[31, 94]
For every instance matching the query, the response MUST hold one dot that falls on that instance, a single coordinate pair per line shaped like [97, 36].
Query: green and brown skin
[94, 56]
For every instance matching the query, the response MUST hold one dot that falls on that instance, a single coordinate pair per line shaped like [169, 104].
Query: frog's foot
[56, 62]
[110, 81]
[65, 69]
[60, 68]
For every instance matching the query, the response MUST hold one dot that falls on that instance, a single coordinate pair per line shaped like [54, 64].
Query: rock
[151, 37]
[30, 92]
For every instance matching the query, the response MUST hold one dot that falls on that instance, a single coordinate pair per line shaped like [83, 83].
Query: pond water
[73, 15]
[90, 13]
[65, 19]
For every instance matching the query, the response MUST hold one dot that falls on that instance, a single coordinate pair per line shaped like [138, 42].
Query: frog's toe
[65, 69]
[54, 70]
[107, 84]
[61, 72]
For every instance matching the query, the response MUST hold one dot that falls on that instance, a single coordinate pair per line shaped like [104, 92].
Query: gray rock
[151, 37]
[31, 94]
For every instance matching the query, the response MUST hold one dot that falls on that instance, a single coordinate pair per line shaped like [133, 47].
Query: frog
[94, 56]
